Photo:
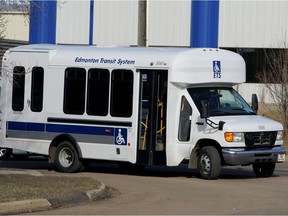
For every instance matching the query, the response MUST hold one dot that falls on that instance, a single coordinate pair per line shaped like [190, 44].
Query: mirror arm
[212, 124]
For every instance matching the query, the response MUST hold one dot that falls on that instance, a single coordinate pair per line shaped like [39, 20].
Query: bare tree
[275, 78]
[2, 26]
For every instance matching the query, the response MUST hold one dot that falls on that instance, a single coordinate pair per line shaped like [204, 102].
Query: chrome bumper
[235, 156]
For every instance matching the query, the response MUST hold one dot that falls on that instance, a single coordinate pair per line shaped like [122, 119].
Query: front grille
[258, 139]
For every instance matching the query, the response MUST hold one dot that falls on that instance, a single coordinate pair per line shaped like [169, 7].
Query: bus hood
[248, 123]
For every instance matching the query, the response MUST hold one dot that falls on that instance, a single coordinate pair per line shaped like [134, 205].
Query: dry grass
[269, 111]
[20, 187]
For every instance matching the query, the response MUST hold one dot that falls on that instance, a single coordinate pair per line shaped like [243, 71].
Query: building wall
[245, 24]
[72, 25]
[115, 23]
[253, 24]
[17, 27]
[242, 24]
[169, 23]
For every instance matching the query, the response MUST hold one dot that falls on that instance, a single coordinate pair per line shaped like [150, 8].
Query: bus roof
[187, 65]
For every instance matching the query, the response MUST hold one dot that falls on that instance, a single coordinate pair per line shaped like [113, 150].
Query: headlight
[234, 137]
[279, 135]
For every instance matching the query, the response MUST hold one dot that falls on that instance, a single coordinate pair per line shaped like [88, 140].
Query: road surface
[177, 190]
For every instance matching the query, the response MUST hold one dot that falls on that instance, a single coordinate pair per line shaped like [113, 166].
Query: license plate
[281, 157]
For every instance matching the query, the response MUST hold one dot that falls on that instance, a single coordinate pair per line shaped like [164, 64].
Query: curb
[17, 207]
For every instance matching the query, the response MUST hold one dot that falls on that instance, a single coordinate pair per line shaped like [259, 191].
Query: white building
[242, 24]
[17, 25]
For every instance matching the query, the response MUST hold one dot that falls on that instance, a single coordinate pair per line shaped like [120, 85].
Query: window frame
[37, 89]
[104, 77]
[74, 91]
[18, 88]
[121, 93]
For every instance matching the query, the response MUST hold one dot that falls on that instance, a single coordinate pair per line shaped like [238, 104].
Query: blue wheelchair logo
[216, 69]
[120, 136]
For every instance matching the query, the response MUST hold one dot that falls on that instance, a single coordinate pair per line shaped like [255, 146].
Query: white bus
[143, 106]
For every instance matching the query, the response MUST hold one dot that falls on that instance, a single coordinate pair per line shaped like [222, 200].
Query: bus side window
[74, 91]
[37, 89]
[121, 93]
[18, 88]
[98, 92]
[185, 120]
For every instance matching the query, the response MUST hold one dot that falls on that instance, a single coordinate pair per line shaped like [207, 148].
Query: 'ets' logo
[216, 69]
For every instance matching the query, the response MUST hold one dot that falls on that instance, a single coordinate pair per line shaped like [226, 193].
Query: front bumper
[235, 156]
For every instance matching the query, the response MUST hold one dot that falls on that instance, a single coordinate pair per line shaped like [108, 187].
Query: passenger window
[98, 92]
[74, 91]
[37, 89]
[18, 88]
[121, 93]
[185, 120]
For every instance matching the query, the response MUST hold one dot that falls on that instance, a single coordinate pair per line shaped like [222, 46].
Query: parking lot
[176, 190]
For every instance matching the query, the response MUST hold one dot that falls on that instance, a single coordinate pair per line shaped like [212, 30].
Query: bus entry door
[152, 117]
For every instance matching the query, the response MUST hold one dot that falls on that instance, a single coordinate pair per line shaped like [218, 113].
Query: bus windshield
[222, 101]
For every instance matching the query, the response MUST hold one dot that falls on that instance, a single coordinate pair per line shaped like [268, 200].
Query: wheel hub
[205, 163]
[66, 157]
[2, 152]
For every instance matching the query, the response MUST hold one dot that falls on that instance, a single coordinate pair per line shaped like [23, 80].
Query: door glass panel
[161, 112]
[144, 111]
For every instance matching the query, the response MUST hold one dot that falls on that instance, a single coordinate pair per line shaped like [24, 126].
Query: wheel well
[57, 140]
[200, 144]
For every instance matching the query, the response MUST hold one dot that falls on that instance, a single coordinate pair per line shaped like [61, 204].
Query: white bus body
[138, 105]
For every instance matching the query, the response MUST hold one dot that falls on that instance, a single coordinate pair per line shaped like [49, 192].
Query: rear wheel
[209, 163]
[264, 169]
[67, 158]
[5, 153]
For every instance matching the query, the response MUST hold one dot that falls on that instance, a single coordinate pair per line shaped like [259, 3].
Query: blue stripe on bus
[60, 128]
[35, 126]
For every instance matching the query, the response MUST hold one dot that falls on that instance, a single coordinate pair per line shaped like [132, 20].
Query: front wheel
[264, 169]
[5, 153]
[209, 163]
[67, 158]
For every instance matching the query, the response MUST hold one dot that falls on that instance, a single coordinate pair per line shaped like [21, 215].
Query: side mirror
[204, 112]
[254, 103]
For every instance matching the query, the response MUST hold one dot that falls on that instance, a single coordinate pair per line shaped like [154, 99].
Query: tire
[67, 158]
[264, 169]
[5, 153]
[209, 163]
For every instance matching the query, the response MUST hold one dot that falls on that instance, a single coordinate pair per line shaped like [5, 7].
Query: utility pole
[142, 22]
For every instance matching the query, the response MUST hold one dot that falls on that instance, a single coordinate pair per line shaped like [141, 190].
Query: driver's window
[185, 120]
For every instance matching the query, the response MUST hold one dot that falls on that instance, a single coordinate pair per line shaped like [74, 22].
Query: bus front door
[152, 117]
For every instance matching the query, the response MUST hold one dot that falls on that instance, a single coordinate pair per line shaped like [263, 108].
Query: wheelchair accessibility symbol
[120, 136]
[217, 69]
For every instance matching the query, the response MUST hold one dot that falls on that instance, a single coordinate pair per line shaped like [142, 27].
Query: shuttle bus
[141, 106]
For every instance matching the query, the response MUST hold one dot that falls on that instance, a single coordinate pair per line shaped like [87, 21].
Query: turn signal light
[229, 136]
[234, 137]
